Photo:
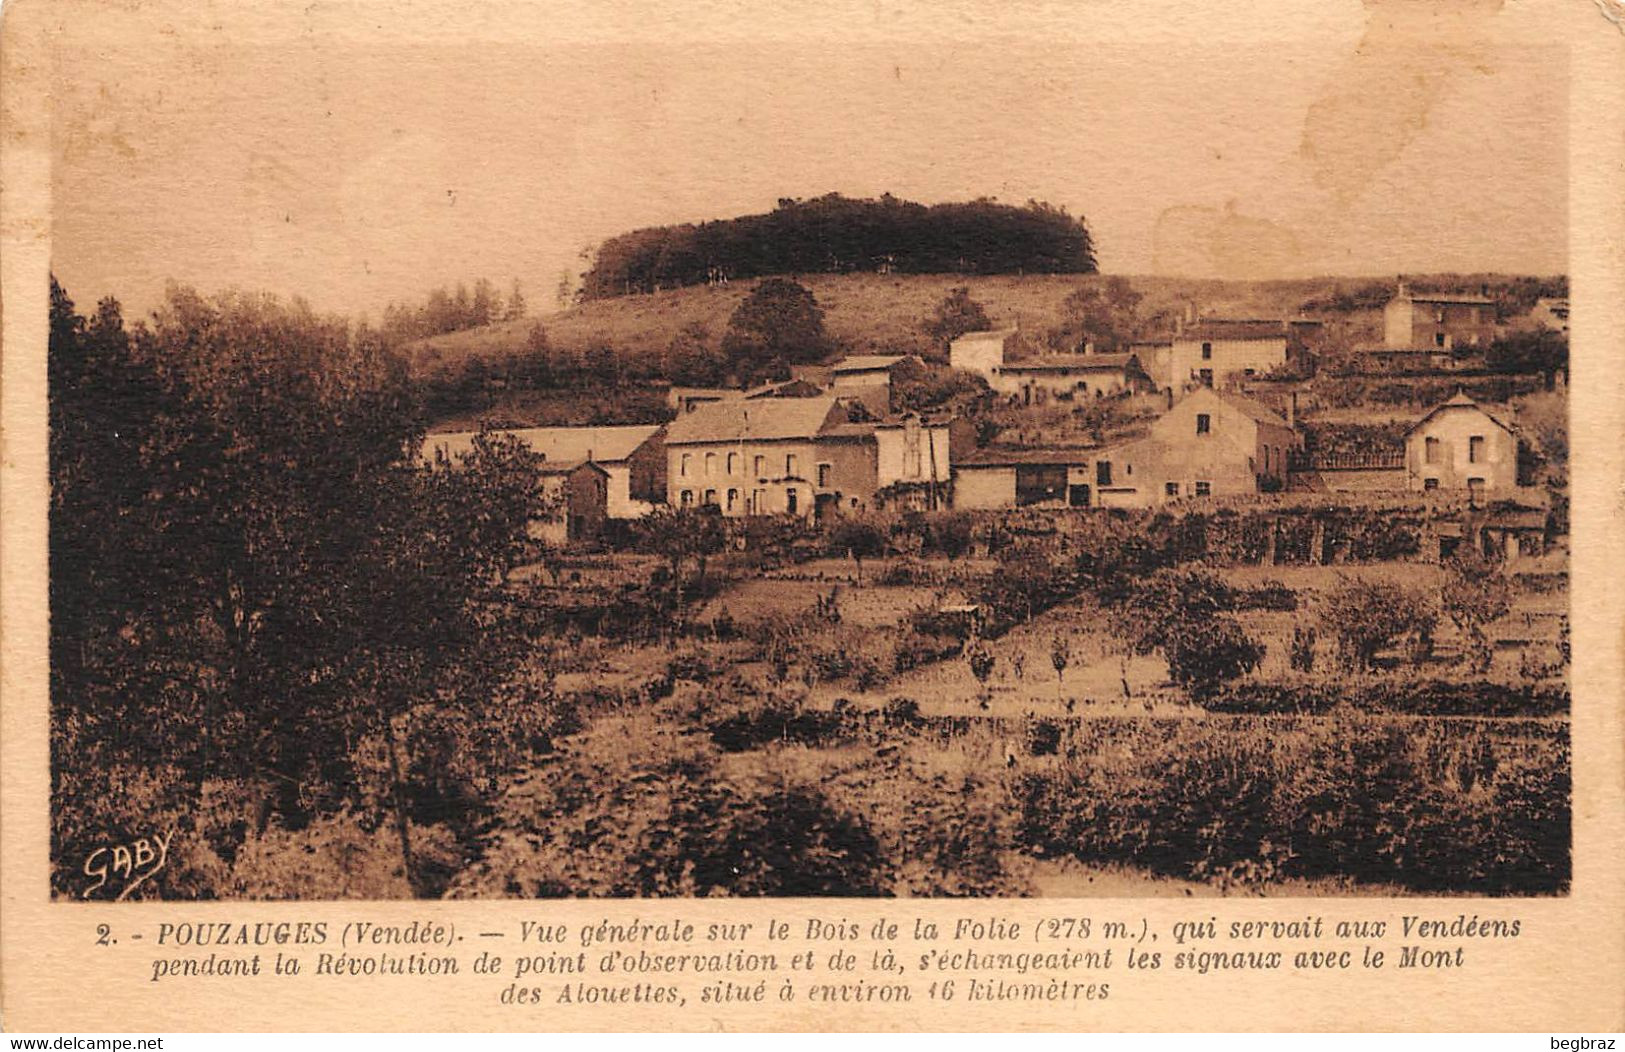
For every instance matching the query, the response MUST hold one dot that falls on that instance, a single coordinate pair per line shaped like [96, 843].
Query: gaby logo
[133, 863]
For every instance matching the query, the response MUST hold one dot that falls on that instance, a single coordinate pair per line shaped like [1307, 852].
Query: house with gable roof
[773, 456]
[1461, 446]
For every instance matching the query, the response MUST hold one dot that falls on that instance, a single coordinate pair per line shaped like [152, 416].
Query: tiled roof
[856, 363]
[1459, 401]
[1069, 362]
[1236, 329]
[1448, 297]
[767, 419]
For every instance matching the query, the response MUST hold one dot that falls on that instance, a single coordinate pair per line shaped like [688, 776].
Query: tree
[287, 581]
[603, 364]
[1369, 616]
[692, 359]
[1203, 653]
[955, 315]
[779, 324]
[1540, 351]
[1185, 615]
[1060, 655]
[516, 303]
[981, 661]
[482, 310]
[858, 540]
[680, 536]
[1104, 313]
[1472, 594]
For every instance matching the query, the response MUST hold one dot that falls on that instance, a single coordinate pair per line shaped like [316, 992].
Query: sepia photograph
[513, 464]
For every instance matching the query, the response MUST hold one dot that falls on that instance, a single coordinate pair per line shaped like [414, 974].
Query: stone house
[1460, 446]
[775, 456]
[1438, 320]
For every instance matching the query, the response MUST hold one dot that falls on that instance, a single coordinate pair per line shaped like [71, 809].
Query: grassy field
[868, 313]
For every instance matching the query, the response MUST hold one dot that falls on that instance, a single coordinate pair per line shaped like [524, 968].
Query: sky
[358, 153]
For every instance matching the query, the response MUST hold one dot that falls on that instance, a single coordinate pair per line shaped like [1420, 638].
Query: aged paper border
[1563, 975]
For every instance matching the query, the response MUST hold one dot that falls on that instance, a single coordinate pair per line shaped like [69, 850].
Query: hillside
[864, 313]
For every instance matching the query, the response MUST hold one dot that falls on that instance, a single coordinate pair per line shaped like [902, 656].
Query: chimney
[1402, 292]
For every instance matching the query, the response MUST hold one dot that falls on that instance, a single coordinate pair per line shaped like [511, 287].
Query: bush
[1204, 653]
[1431, 807]
[1369, 616]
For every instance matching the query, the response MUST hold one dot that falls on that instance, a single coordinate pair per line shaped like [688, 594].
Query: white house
[981, 352]
[1460, 446]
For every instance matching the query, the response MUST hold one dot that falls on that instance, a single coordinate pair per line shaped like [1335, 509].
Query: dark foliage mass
[840, 235]
[250, 579]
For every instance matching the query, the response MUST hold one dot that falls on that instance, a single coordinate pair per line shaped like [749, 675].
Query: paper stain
[1379, 99]
[1201, 241]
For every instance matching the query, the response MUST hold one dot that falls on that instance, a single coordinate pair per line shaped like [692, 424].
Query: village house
[1221, 351]
[631, 457]
[1069, 377]
[1459, 446]
[579, 492]
[913, 461]
[1023, 478]
[1438, 320]
[981, 352]
[867, 379]
[1209, 444]
[790, 456]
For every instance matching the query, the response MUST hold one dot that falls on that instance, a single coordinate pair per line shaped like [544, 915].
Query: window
[1430, 451]
[1206, 376]
[687, 498]
[1438, 339]
[1204, 423]
[733, 464]
[1103, 473]
[710, 498]
[790, 498]
[790, 464]
[1475, 489]
[710, 464]
[1170, 489]
[761, 465]
[684, 467]
[1204, 489]
[758, 502]
[1475, 449]
[823, 476]
[1430, 483]
[1207, 352]
[733, 500]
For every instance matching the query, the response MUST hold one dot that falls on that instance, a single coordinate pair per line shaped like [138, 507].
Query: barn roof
[567, 444]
